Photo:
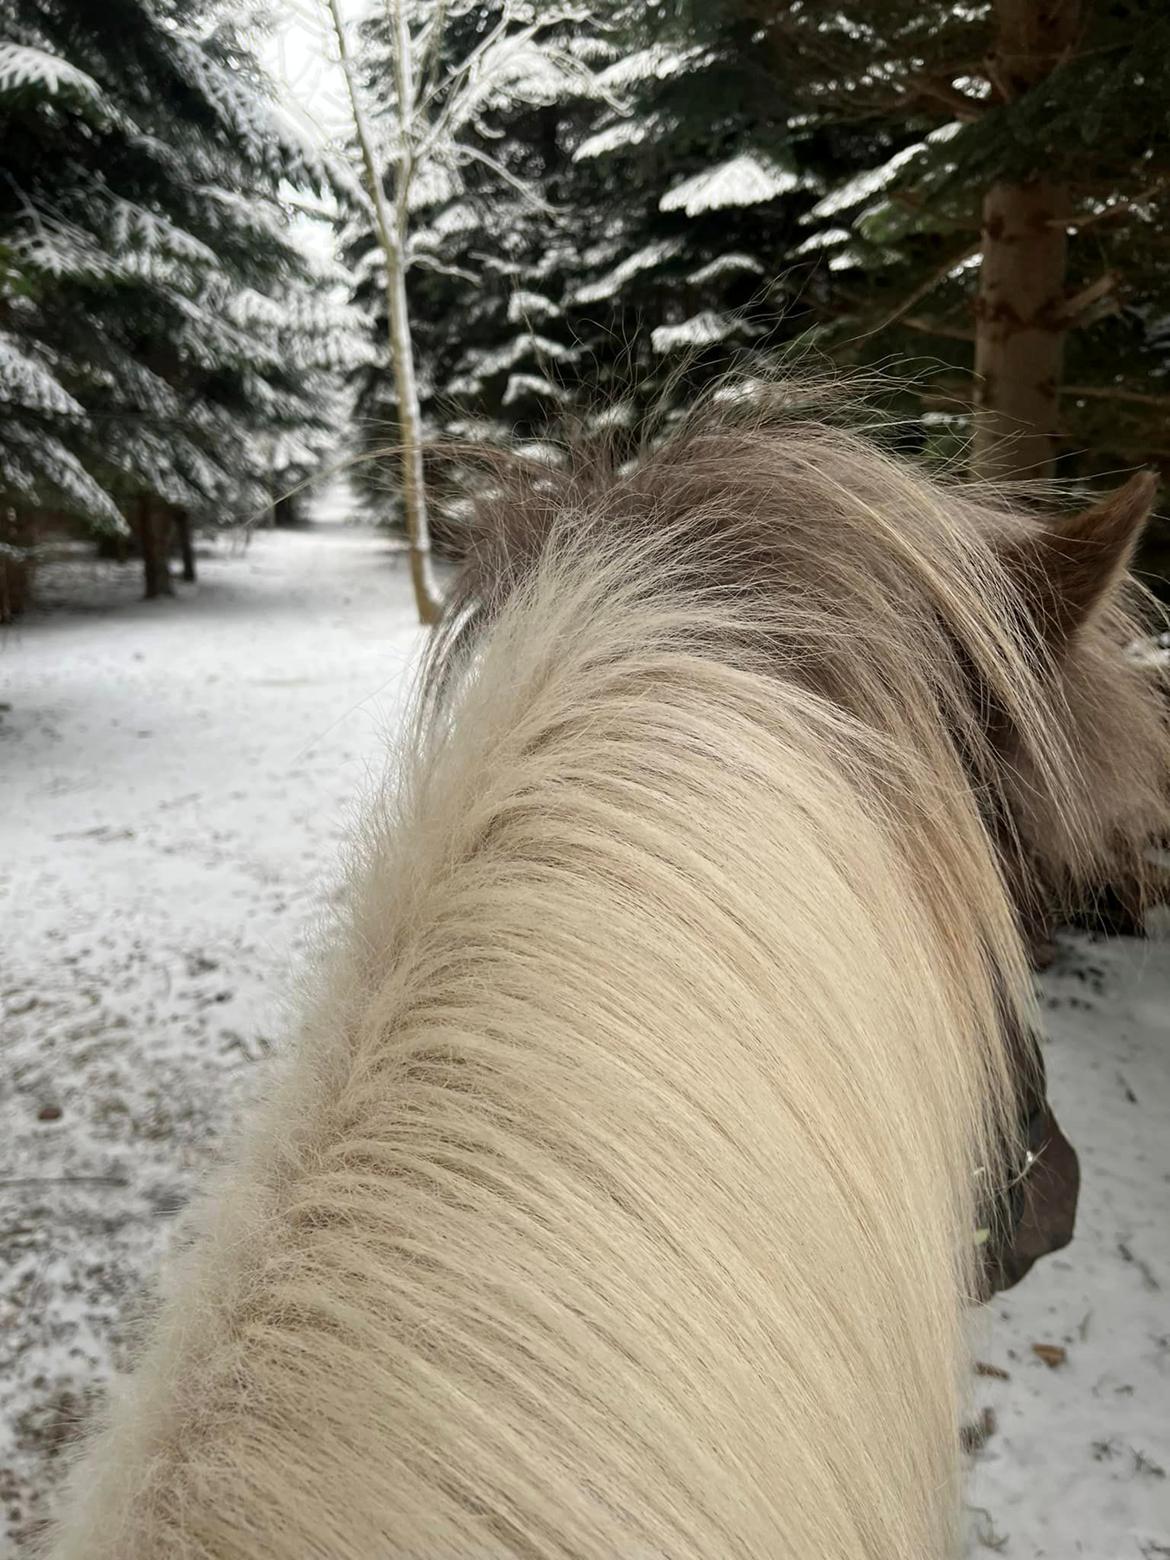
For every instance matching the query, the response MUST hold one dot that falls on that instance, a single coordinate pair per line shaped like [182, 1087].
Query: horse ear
[1076, 563]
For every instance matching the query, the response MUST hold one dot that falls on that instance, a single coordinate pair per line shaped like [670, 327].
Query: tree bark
[1021, 318]
[154, 526]
[17, 561]
[186, 545]
[1020, 329]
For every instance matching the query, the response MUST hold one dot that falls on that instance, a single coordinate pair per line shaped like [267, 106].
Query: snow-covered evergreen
[161, 330]
[483, 236]
[625, 216]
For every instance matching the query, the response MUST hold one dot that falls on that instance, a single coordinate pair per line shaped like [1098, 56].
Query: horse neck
[620, 1200]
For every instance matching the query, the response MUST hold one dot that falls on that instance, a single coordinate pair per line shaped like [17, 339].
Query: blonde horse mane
[619, 1198]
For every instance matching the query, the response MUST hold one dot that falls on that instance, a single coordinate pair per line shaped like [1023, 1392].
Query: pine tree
[1009, 213]
[608, 260]
[744, 175]
[698, 191]
[151, 296]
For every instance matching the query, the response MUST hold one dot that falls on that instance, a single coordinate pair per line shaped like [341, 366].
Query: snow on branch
[746, 180]
[724, 265]
[132, 382]
[460, 216]
[169, 465]
[56, 464]
[61, 249]
[135, 227]
[837, 243]
[521, 385]
[873, 180]
[827, 238]
[645, 259]
[526, 305]
[269, 137]
[624, 133]
[528, 344]
[253, 219]
[524, 71]
[701, 330]
[509, 65]
[22, 66]
[24, 381]
[658, 62]
[434, 183]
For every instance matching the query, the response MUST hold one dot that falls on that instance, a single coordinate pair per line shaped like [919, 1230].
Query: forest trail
[175, 781]
[176, 778]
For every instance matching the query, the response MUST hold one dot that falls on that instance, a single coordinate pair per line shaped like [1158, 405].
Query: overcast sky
[297, 52]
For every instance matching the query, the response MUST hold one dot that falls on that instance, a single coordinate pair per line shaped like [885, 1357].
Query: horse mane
[882, 591]
[619, 1197]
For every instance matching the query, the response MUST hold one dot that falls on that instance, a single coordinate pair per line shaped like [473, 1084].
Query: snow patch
[725, 265]
[699, 331]
[746, 180]
[521, 385]
[645, 259]
[872, 180]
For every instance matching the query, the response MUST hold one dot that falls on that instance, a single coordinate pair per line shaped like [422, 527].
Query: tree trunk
[114, 548]
[392, 232]
[1020, 315]
[414, 492]
[16, 563]
[186, 545]
[1020, 329]
[154, 526]
[426, 591]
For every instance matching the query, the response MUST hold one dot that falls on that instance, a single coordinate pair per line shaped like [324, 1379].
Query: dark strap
[1035, 1212]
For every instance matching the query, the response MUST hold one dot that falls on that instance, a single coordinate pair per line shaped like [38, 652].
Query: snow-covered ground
[174, 780]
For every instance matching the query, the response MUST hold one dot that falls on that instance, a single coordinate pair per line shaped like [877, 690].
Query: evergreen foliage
[162, 335]
[609, 208]
[740, 176]
[910, 117]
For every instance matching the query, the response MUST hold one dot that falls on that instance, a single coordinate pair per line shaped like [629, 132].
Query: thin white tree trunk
[401, 340]
[391, 229]
[426, 590]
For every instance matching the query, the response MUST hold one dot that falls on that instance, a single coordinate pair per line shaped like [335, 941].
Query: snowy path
[174, 780]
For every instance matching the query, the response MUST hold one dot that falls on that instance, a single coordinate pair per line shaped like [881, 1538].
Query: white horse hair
[619, 1197]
